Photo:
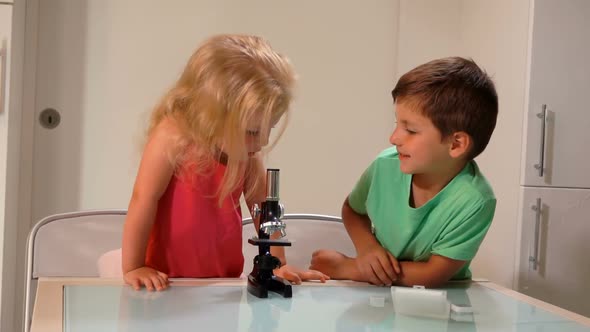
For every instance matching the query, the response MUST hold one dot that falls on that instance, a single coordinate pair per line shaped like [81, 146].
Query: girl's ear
[460, 144]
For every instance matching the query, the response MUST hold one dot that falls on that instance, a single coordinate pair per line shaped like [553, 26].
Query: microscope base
[260, 288]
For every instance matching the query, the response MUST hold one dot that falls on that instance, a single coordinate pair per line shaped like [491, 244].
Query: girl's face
[256, 139]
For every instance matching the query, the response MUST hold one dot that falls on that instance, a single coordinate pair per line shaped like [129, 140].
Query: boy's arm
[375, 263]
[358, 227]
[460, 242]
[434, 273]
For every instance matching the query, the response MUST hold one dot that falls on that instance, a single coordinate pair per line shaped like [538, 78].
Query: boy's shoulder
[388, 153]
[386, 163]
[388, 158]
[472, 183]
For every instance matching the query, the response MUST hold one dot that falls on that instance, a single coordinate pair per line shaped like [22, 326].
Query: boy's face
[418, 142]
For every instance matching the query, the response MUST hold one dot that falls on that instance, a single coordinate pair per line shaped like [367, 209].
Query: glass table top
[312, 308]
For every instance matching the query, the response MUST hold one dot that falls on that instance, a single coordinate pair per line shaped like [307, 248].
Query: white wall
[103, 72]
[9, 183]
[343, 113]
[427, 30]
[494, 34]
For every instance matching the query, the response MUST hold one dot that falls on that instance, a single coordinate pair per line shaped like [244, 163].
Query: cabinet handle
[543, 117]
[2, 76]
[535, 257]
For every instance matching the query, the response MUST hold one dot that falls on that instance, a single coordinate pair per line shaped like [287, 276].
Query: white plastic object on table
[461, 309]
[377, 301]
[421, 302]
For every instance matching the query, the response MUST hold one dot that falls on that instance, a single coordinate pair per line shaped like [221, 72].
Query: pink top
[192, 236]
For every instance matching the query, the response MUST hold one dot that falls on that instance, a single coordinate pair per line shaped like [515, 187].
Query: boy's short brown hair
[456, 95]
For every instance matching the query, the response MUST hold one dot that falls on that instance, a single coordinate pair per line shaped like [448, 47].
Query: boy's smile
[419, 143]
[403, 156]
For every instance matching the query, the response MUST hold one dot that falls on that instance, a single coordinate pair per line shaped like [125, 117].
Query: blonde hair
[229, 82]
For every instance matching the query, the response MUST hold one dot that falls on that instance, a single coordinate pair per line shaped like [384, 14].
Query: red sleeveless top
[192, 236]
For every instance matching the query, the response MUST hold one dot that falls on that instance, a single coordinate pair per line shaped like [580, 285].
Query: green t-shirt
[452, 224]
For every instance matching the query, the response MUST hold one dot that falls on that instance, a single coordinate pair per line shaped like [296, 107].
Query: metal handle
[2, 76]
[543, 117]
[535, 257]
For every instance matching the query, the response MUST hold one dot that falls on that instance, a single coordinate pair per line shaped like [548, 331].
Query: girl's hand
[296, 275]
[148, 277]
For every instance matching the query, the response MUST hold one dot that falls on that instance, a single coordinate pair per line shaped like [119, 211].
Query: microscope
[261, 279]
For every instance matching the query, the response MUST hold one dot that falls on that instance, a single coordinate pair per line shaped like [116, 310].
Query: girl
[202, 153]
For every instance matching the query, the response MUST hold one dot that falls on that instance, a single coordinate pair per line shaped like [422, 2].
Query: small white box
[420, 302]
[461, 309]
[377, 301]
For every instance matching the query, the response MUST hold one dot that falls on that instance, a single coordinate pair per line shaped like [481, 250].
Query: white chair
[69, 245]
[109, 264]
[307, 233]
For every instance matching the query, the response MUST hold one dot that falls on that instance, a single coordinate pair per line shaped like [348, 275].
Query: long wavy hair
[229, 82]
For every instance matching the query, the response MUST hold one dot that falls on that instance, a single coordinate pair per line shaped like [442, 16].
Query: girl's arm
[257, 188]
[155, 172]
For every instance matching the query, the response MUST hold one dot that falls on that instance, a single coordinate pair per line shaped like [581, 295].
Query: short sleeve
[358, 196]
[466, 234]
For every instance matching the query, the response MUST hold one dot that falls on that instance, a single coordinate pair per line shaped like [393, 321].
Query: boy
[420, 211]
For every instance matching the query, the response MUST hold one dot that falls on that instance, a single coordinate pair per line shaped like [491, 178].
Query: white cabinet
[555, 266]
[6, 233]
[5, 34]
[560, 80]
[5, 28]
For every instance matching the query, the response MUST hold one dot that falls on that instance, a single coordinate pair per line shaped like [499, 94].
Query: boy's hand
[296, 275]
[148, 277]
[377, 265]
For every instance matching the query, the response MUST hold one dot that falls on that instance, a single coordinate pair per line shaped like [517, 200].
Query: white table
[92, 304]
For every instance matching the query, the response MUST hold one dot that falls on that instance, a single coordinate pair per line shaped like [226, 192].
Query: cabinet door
[5, 27]
[555, 233]
[560, 80]
[6, 241]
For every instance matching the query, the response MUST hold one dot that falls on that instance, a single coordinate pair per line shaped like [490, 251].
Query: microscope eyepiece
[272, 184]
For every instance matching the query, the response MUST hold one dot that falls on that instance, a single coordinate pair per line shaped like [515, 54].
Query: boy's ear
[460, 144]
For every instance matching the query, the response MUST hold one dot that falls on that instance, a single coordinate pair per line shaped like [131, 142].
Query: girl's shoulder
[168, 136]
[167, 128]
